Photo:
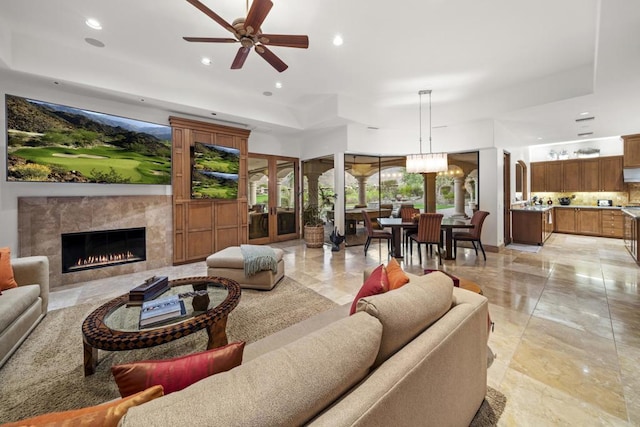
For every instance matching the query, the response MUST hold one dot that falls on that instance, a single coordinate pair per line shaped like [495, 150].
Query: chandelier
[426, 162]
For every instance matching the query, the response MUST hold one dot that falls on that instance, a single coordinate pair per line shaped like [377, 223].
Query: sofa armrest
[33, 270]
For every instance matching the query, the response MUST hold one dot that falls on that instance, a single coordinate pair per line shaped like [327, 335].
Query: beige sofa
[413, 356]
[22, 308]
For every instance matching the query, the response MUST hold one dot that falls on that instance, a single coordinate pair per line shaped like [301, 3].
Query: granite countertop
[545, 207]
[634, 212]
[537, 208]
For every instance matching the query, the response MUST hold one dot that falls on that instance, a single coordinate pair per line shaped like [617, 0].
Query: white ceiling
[532, 66]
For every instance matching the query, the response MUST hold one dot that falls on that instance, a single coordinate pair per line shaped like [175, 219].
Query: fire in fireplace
[96, 249]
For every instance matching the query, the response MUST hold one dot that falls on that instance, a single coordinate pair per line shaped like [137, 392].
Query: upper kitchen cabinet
[598, 174]
[631, 150]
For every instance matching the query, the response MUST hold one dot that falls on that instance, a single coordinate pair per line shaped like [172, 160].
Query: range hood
[631, 175]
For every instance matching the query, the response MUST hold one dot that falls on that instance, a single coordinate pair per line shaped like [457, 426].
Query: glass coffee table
[114, 326]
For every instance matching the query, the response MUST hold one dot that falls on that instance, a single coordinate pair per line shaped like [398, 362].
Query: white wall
[491, 195]
[11, 191]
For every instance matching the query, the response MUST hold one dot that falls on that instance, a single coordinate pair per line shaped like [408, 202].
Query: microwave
[603, 202]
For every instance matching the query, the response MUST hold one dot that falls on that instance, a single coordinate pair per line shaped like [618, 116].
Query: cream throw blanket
[258, 258]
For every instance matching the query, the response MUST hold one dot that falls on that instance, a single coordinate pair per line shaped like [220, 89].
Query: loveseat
[22, 308]
[416, 355]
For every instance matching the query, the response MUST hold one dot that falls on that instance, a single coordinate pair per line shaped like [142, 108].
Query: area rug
[490, 410]
[46, 373]
[524, 248]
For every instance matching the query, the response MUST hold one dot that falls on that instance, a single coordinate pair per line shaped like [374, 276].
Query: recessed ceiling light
[214, 114]
[267, 93]
[337, 40]
[539, 138]
[205, 61]
[93, 23]
[141, 99]
[94, 42]
[584, 113]
[279, 85]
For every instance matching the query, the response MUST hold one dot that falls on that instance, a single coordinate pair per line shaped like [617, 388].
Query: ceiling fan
[247, 32]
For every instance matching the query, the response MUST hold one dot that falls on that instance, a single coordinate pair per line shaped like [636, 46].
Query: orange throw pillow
[397, 277]
[377, 283]
[6, 272]
[105, 415]
[178, 373]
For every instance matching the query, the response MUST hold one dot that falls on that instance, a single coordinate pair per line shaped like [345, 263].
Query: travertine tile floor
[567, 334]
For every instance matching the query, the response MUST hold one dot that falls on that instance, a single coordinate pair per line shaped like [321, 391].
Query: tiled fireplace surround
[42, 221]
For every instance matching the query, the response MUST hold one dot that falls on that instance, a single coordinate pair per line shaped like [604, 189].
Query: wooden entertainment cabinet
[202, 227]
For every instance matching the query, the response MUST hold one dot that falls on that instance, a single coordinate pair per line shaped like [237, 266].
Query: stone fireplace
[43, 221]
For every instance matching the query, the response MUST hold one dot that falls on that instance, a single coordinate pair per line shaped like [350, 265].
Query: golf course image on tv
[214, 174]
[49, 142]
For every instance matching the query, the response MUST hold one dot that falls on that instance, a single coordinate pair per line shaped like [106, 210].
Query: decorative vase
[200, 302]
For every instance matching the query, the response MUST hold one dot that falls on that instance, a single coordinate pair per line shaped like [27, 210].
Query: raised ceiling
[530, 66]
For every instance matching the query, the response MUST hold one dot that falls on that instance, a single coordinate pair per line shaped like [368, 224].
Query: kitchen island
[531, 225]
[631, 217]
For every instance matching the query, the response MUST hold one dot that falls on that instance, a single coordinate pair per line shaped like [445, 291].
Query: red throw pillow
[6, 272]
[178, 373]
[374, 285]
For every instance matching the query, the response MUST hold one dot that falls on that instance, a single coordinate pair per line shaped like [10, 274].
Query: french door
[272, 198]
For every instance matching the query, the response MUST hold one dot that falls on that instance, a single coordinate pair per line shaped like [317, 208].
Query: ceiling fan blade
[211, 14]
[241, 56]
[257, 14]
[271, 58]
[301, 42]
[210, 40]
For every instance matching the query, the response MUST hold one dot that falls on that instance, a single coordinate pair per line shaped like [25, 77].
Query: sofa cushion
[105, 415]
[15, 302]
[231, 257]
[177, 373]
[406, 312]
[375, 284]
[397, 277]
[6, 272]
[284, 387]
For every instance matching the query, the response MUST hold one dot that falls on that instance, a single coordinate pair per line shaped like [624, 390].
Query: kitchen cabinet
[612, 223]
[584, 221]
[565, 220]
[588, 221]
[611, 173]
[537, 177]
[531, 226]
[631, 150]
[631, 235]
[597, 174]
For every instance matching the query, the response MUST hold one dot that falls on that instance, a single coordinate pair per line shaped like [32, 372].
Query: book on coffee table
[155, 312]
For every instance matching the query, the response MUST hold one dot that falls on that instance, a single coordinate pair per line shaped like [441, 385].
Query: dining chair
[428, 234]
[375, 234]
[407, 213]
[473, 234]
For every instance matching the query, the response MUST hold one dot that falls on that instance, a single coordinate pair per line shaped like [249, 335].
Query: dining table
[448, 225]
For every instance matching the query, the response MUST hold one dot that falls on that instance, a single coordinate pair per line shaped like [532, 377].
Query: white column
[362, 190]
[252, 193]
[458, 198]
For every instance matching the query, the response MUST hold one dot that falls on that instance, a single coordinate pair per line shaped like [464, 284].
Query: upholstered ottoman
[229, 263]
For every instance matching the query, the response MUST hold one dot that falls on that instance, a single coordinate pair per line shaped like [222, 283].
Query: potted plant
[313, 226]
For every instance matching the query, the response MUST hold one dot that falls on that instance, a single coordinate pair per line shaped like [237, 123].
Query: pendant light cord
[420, 109]
[430, 149]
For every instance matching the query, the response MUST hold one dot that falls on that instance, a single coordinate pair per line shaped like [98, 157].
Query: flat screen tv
[49, 142]
[214, 172]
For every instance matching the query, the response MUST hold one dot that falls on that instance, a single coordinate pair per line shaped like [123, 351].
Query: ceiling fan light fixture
[426, 162]
[338, 40]
[93, 23]
[205, 61]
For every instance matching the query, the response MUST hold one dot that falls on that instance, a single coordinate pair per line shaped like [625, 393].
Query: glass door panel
[285, 197]
[258, 193]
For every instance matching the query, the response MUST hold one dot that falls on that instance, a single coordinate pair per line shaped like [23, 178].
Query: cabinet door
[537, 176]
[590, 175]
[631, 151]
[589, 221]
[565, 220]
[571, 175]
[553, 176]
[611, 174]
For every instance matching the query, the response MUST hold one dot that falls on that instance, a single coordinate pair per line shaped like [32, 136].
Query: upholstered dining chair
[374, 234]
[407, 213]
[428, 234]
[473, 234]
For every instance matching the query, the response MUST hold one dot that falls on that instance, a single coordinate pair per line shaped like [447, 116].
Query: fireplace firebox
[97, 249]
